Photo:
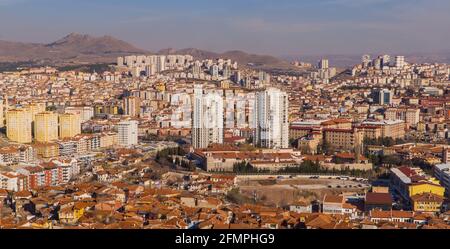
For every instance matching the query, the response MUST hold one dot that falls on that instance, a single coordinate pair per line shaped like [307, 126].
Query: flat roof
[401, 175]
[443, 166]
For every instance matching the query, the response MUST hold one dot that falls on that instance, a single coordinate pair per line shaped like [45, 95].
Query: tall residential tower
[207, 127]
[271, 119]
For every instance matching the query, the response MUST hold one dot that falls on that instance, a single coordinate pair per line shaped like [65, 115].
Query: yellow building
[69, 125]
[46, 127]
[409, 182]
[425, 187]
[343, 139]
[18, 125]
[427, 202]
[35, 108]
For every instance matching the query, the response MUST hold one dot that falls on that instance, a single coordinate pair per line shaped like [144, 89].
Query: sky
[276, 27]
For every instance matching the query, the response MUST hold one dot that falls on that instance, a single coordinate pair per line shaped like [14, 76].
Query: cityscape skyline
[289, 27]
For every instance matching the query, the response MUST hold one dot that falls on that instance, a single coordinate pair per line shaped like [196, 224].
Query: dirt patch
[283, 192]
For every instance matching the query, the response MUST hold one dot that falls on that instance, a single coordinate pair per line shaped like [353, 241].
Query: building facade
[207, 126]
[18, 125]
[46, 127]
[127, 133]
[272, 119]
[69, 125]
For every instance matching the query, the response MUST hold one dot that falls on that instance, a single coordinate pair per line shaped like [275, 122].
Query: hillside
[71, 49]
[81, 49]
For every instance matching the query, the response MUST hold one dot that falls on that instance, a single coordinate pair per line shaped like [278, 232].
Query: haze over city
[269, 27]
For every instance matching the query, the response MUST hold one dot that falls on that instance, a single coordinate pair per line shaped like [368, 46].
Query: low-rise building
[408, 182]
[381, 201]
[427, 202]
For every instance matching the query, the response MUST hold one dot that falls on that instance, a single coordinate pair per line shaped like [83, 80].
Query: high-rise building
[127, 133]
[132, 106]
[237, 77]
[161, 63]
[46, 127]
[378, 63]
[196, 68]
[214, 71]
[365, 59]
[120, 61]
[69, 125]
[271, 119]
[400, 61]
[385, 60]
[226, 71]
[382, 96]
[150, 70]
[323, 64]
[18, 125]
[207, 127]
[35, 108]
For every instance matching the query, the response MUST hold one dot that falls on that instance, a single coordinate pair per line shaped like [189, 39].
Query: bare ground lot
[280, 192]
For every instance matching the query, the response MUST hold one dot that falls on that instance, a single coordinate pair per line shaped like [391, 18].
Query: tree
[326, 148]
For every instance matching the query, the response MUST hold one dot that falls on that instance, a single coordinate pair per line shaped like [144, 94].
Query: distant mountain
[80, 49]
[71, 49]
[86, 44]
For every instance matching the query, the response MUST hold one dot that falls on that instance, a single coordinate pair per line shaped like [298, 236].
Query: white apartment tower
[207, 126]
[323, 64]
[271, 119]
[400, 61]
[127, 133]
[161, 63]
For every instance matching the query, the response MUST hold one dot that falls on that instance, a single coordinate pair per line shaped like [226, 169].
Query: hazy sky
[277, 27]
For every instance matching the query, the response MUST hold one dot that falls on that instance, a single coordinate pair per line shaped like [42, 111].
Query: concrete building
[127, 133]
[69, 125]
[46, 127]
[407, 182]
[132, 106]
[271, 120]
[18, 125]
[442, 173]
[382, 96]
[399, 61]
[410, 115]
[323, 64]
[389, 128]
[35, 108]
[344, 139]
[85, 112]
[207, 127]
